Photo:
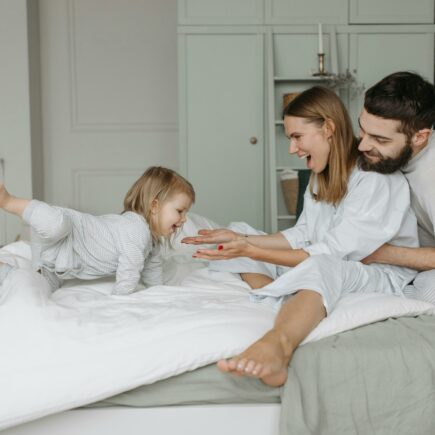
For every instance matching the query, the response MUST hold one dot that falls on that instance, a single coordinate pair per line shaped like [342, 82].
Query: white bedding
[80, 344]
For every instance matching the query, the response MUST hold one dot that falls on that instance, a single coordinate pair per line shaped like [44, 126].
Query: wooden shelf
[286, 216]
[283, 168]
[301, 79]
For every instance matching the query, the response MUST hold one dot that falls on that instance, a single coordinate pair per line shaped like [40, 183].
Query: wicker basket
[287, 98]
[290, 187]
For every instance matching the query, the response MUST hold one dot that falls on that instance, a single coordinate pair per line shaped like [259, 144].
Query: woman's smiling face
[308, 141]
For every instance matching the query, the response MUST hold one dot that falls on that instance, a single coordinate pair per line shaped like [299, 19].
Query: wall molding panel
[94, 78]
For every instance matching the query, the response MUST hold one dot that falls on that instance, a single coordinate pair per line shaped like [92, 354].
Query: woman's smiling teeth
[304, 156]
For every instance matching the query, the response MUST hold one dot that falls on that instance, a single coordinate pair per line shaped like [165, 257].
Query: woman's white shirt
[375, 210]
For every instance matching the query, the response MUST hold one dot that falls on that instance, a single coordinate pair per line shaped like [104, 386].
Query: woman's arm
[222, 235]
[243, 248]
[281, 257]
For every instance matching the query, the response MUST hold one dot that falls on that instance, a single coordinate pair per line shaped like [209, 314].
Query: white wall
[15, 132]
[88, 95]
[109, 97]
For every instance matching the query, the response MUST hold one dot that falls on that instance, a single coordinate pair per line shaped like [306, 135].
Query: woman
[348, 213]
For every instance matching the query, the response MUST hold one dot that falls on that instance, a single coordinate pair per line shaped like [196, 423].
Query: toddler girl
[69, 244]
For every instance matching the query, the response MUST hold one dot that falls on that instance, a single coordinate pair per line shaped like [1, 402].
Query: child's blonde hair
[156, 183]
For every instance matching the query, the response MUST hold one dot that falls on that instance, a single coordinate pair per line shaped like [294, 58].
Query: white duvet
[80, 344]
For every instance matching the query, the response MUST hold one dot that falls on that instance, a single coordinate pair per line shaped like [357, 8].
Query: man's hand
[378, 256]
[415, 258]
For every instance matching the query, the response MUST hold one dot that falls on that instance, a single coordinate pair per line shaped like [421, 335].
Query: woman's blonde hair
[156, 184]
[319, 105]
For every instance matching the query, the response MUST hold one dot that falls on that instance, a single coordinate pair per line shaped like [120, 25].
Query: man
[396, 130]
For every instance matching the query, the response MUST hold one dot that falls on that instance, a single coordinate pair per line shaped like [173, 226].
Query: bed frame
[252, 419]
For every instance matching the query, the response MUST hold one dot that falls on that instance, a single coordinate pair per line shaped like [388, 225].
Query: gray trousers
[423, 287]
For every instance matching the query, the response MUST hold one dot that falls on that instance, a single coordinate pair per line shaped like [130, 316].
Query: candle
[320, 39]
[333, 48]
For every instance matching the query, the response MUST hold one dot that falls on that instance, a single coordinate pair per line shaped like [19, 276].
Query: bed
[379, 378]
[371, 370]
[375, 379]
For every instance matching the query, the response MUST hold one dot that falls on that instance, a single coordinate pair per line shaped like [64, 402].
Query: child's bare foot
[266, 359]
[4, 196]
[10, 203]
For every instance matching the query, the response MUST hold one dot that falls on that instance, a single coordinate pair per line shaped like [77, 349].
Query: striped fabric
[69, 244]
[423, 287]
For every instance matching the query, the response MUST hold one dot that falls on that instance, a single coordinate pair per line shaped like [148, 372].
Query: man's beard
[386, 165]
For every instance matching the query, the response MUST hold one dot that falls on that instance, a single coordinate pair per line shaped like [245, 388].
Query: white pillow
[359, 309]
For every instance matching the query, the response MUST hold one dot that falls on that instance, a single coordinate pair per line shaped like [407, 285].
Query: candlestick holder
[321, 72]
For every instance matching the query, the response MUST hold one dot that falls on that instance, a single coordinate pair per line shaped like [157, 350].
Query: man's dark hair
[406, 97]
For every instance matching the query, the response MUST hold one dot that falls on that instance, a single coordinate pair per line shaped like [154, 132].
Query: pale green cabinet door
[306, 12]
[221, 124]
[373, 55]
[391, 11]
[220, 12]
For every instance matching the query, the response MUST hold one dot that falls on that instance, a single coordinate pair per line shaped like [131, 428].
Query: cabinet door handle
[253, 140]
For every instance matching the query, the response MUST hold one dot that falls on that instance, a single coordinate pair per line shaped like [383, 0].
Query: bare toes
[242, 364]
[232, 363]
[257, 371]
[250, 366]
[223, 365]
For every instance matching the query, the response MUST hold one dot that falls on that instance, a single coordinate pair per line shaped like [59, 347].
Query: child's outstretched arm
[130, 265]
[152, 273]
[10, 203]
[133, 252]
[138, 260]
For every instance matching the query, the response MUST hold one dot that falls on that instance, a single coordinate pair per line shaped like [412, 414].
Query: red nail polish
[220, 247]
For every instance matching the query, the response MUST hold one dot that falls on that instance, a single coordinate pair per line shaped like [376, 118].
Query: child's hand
[221, 235]
[237, 248]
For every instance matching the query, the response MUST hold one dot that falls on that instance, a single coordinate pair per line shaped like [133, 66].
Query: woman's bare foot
[266, 359]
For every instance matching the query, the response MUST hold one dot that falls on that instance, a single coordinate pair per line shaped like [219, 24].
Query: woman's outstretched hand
[220, 235]
[225, 251]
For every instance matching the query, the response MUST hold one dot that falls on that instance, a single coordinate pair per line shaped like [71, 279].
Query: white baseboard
[252, 419]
